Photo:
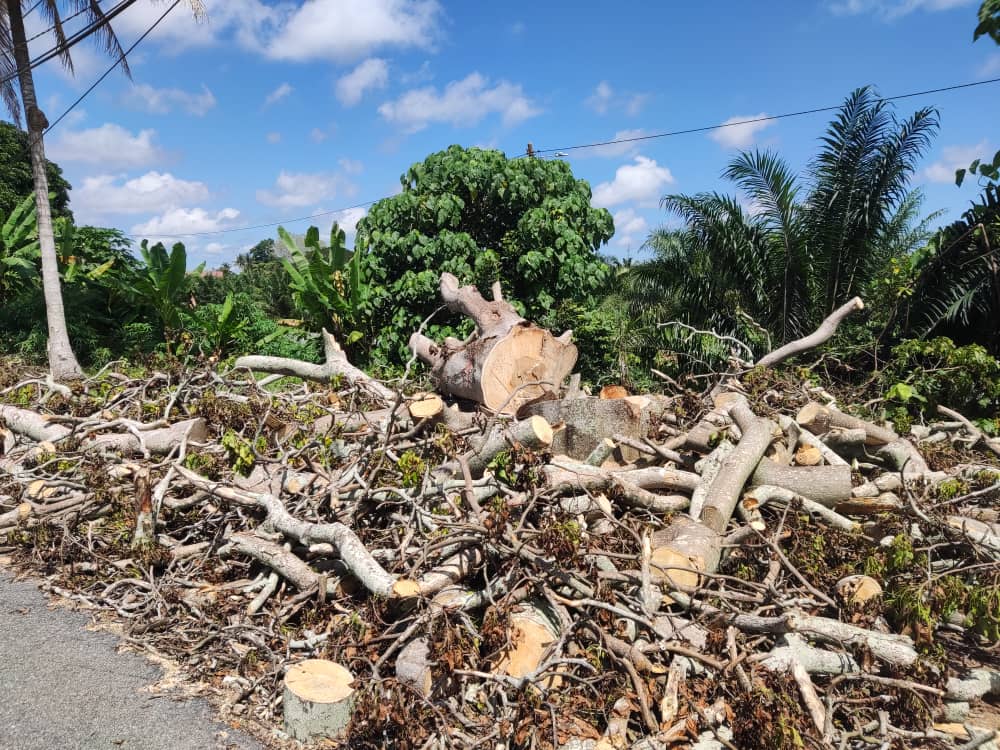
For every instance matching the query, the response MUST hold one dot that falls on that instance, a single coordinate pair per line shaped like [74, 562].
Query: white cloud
[641, 182]
[953, 158]
[635, 103]
[163, 101]
[346, 30]
[215, 248]
[600, 100]
[373, 73]
[351, 166]
[422, 74]
[107, 194]
[273, 137]
[892, 9]
[605, 99]
[318, 136]
[348, 221]
[991, 67]
[278, 94]
[248, 22]
[300, 189]
[109, 145]
[178, 221]
[740, 136]
[617, 150]
[631, 228]
[462, 103]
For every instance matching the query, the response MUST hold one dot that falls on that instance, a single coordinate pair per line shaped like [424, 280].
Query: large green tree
[16, 180]
[526, 223]
[787, 251]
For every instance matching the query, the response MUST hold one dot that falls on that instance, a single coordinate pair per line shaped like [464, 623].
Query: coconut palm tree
[789, 250]
[15, 63]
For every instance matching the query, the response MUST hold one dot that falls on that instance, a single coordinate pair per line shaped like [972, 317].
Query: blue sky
[271, 111]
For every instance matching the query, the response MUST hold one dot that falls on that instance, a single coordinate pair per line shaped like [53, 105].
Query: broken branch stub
[508, 363]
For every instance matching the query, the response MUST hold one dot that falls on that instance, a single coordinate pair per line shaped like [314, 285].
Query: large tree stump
[509, 362]
[319, 699]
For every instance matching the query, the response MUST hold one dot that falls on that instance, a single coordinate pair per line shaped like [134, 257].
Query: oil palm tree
[790, 250]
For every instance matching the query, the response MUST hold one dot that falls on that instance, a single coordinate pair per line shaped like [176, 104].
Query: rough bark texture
[508, 363]
[590, 420]
[62, 361]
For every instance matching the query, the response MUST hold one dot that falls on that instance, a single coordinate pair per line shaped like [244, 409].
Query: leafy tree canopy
[989, 21]
[15, 174]
[527, 223]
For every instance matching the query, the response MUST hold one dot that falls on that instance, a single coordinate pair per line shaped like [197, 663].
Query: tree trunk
[62, 361]
[507, 364]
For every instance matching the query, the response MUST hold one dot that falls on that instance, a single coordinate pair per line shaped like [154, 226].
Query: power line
[667, 134]
[114, 65]
[61, 22]
[768, 118]
[72, 40]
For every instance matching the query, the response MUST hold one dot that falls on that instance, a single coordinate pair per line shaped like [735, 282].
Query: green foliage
[987, 169]
[327, 288]
[781, 270]
[954, 288]
[18, 247]
[161, 282]
[16, 180]
[527, 223]
[922, 374]
[240, 452]
[216, 327]
[989, 21]
[412, 467]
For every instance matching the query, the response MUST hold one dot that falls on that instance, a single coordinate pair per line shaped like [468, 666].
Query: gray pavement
[65, 688]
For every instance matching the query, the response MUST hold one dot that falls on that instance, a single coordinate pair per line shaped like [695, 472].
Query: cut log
[858, 590]
[318, 701]
[531, 633]
[413, 666]
[161, 440]
[590, 420]
[682, 552]
[724, 492]
[534, 433]
[509, 362]
[826, 485]
[819, 419]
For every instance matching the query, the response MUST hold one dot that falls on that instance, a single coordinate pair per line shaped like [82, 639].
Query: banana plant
[18, 247]
[217, 326]
[160, 282]
[326, 284]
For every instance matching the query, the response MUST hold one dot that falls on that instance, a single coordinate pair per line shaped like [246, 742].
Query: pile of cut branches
[753, 567]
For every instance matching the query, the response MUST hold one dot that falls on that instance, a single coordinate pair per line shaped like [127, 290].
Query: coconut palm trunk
[62, 361]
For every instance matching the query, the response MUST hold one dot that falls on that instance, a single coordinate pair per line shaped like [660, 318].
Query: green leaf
[959, 177]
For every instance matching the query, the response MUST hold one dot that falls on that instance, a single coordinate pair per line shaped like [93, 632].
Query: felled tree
[484, 218]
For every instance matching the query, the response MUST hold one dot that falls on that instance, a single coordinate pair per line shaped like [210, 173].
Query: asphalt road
[66, 688]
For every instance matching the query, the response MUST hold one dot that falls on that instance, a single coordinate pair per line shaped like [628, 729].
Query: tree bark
[62, 361]
[826, 329]
[336, 365]
[508, 363]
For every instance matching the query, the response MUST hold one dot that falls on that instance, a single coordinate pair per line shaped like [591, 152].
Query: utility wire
[114, 65]
[61, 22]
[768, 118]
[73, 40]
[667, 134]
